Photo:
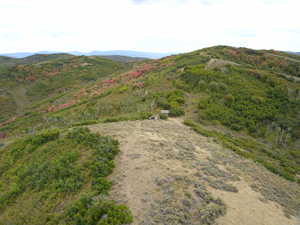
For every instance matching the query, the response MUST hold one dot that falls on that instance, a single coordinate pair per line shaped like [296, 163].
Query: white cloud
[147, 25]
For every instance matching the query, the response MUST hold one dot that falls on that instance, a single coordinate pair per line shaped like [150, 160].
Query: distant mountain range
[122, 58]
[11, 61]
[295, 53]
[150, 55]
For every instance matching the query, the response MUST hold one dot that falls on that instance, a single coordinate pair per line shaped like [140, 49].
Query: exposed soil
[167, 174]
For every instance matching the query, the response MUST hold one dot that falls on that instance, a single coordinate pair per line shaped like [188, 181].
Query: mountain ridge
[129, 53]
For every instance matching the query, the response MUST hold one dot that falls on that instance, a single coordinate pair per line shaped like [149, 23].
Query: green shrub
[122, 89]
[163, 103]
[138, 116]
[44, 137]
[163, 116]
[88, 122]
[176, 110]
[89, 77]
[60, 170]
[176, 96]
[172, 101]
[87, 211]
[101, 185]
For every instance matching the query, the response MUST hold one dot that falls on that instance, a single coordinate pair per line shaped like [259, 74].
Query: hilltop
[242, 107]
[9, 61]
[134, 54]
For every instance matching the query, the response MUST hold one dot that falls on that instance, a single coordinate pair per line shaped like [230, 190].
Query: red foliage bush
[30, 78]
[139, 71]
[2, 135]
[232, 52]
[124, 78]
[109, 81]
[55, 108]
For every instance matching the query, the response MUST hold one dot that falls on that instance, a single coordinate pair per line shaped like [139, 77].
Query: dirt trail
[167, 174]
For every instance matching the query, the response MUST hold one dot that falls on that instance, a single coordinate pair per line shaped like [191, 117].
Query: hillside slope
[5, 60]
[168, 174]
[165, 173]
[38, 77]
[246, 101]
[58, 177]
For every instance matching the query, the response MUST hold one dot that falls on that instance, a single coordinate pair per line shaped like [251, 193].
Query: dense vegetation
[278, 62]
[262, 102]
[283, 163]
[59, 178]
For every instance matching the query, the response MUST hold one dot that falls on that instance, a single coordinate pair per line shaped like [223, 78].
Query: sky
[148, 25]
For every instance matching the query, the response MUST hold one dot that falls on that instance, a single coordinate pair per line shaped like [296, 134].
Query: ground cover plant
[57, 177]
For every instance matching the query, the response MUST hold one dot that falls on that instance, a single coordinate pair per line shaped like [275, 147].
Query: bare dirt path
[167, 174]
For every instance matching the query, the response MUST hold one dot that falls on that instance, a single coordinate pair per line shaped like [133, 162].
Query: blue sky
[148, 25]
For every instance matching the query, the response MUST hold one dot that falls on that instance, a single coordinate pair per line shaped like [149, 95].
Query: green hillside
[252, 95]
[246, 100]
[9, 61]
[53, 178]
[26, 84]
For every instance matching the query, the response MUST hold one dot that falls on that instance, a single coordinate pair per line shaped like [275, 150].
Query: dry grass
[168, 174]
